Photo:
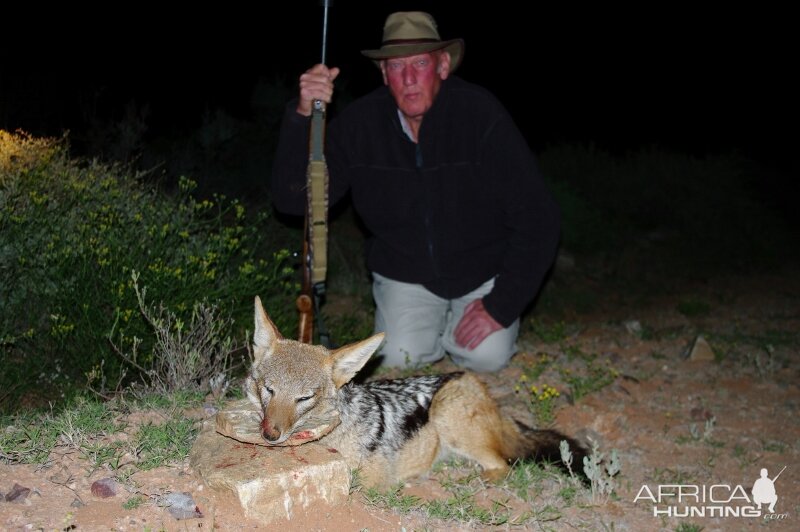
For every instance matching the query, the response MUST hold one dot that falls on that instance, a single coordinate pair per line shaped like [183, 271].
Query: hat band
[392, 42]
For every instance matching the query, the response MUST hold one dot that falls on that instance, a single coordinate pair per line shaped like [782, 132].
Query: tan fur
[462, 419]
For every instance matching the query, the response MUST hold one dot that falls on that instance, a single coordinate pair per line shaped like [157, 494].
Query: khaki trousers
[419, 327]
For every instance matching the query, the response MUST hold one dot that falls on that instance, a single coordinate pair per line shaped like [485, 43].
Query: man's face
[414, 81]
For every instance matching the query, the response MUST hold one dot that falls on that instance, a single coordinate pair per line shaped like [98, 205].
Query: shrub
[186, 357]
[71, 234]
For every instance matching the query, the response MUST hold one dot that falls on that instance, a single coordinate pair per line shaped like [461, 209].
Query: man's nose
[409, 76]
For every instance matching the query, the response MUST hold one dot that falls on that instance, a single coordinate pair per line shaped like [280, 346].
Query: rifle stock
[305, 302]
[305, 307]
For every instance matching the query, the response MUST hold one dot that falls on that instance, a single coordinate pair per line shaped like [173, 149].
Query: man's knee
[409, 350]
[493, 354]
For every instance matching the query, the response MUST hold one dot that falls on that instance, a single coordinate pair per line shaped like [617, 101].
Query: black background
[699, 81]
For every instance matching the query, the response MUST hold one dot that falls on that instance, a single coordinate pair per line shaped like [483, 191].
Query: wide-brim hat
[414, 32]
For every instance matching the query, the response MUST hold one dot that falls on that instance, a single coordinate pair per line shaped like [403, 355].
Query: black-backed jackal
[391, 429]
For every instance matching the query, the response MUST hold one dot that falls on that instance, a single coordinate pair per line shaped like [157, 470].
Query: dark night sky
[624, 78]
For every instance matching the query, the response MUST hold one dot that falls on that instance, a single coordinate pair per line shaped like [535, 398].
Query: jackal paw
[495, 476]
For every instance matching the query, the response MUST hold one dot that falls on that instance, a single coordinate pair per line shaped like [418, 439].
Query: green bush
[72, 233]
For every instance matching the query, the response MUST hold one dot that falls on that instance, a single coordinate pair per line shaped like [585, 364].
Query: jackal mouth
[302, 436]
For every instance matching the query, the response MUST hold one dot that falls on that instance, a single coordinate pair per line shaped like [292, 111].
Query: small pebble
[18, 494]
[181, 506]
[105, 488]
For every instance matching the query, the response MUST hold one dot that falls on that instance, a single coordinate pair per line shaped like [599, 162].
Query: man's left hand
[475, 325]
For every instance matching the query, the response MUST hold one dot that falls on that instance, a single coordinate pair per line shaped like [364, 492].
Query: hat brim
[454, 47]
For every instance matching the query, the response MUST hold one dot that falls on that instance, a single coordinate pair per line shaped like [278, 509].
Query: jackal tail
[541, 445]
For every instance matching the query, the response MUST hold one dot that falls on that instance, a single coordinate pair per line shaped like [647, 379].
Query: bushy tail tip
[544, 445]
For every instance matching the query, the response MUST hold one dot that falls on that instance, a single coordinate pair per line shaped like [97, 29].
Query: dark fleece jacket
[465, 204]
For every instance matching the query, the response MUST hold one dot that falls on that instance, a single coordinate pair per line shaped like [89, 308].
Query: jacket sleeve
[529, 212]
[289, 169]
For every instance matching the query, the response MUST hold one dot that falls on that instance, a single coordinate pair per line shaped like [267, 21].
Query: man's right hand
[316, 84]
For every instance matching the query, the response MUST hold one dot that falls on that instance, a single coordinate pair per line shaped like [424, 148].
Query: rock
[240, 421]
[105, 488]
[634, 327]
[269, 482]
[700, 351]
[18, 494]
[77, 503]
[180, 505]
[61, 476]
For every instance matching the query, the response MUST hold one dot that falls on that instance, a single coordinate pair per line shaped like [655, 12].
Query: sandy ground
[751, 392]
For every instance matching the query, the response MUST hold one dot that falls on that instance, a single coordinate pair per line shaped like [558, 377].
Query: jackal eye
[269, 390]
[305, 398]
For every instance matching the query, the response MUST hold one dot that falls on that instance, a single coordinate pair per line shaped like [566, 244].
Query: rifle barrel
[324, 31]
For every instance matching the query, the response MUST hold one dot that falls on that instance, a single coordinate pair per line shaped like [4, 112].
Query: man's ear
[382, 65]
[443, 69]
[348, 360]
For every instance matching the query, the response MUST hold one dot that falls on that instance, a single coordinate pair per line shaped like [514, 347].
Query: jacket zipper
[428, 209]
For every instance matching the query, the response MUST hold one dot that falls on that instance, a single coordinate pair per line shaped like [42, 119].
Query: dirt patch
[706, 426]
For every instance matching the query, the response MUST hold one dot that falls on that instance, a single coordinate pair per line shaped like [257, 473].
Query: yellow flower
[247, 268]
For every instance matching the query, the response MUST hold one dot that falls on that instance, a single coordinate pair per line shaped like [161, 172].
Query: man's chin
[413, 110]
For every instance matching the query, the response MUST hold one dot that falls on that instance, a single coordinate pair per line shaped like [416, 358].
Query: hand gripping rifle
[315, 243]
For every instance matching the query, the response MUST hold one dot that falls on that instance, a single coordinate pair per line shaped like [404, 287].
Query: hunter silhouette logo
[717, 500]
[764, 490]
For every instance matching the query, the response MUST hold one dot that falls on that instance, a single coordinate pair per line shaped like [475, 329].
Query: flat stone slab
[240, 420]
[269, 482]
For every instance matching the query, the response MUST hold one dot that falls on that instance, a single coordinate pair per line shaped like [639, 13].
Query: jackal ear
[265, 334]
[348, 360]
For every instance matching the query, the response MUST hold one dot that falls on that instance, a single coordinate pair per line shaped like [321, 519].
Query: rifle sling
[317, 218]
[318, 201]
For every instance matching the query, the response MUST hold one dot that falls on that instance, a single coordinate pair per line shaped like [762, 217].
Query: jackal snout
[270, 432]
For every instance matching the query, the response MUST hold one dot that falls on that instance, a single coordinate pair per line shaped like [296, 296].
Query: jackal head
[295, 385]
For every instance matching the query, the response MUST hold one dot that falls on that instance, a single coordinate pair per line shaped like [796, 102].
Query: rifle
[779, 474]
[315, 241]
